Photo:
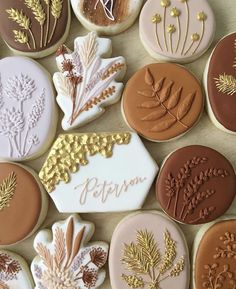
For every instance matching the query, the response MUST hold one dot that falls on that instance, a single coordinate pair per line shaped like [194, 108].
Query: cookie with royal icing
[196, 185]
[34, 28]
[107, 16]
[87, 83]
[220, 84]
[28, 113]
[23, 203]
[148, 250]
[214, 255]
[73, 177]
[177, 30]
[162, 101]
[65, 259]
[14, 272]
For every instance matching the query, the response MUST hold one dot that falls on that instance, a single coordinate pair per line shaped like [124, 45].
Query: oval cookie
[34, 28]
[23, 203]
[220, 84]
[28, 113]
[178, 31]
[162, 101]
[196, 185]
[148, 251]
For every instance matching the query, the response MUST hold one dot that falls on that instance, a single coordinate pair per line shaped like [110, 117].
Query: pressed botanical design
[65, 264]
[16, 124]
[148, 266]
[162, 100]
[85, 78]
[71, 151]
[44, 12]
[107, 6]
[220, 275]
[190, 187]
[7, 190]
[195, 38]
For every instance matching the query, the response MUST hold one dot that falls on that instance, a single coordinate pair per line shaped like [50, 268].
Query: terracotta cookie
[107, 16]
[28, 113]
[73, 177]
[220, 84]
[196, 185]
[65, 258]
[177, 30]
[34, 28]
[23, 203]
[148, 251]
[14, 272]
[214, 256]
[162, 101]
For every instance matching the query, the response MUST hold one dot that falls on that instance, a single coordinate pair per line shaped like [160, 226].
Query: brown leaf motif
[149, 79]
[155, 115]
[150, 104]
[163, 125]
[185, 106]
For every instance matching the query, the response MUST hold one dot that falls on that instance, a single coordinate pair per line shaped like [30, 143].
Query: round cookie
[34, 28]
[14, 272]
[148, 250]
[23, 203]
[28, 112]
[220, 84]
[177, 30]
[107, 17]
[214, 255]
[162, 101]
[196, 185]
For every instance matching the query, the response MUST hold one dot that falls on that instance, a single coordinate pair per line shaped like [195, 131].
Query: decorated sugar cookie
[65, 258]
[148, 251]
[14, 272]
[177, 30]
[34, 28]
[162, 101]
[28, 114]
[214, 255]
[23, 203]
[73, 177]
[87, 83]
[220, 84]
[196, 185]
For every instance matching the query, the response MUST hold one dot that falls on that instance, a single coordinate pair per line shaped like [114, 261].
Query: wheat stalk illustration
[47, 2]
[226, 84]
[234, 64]
[7, 190]
[56, 10]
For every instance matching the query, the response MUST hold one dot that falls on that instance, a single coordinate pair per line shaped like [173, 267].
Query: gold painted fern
[7, 190]
[226, 84]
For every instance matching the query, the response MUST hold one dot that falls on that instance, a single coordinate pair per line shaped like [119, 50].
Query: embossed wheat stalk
[56, 10]
[7, 190]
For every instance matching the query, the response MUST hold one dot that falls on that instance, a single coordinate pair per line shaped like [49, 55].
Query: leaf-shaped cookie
[174, 99]
[186, 105]
[146, 93]
[165, 93]
[149, 79]
[150, 104]
[155, 115]
[163, 125]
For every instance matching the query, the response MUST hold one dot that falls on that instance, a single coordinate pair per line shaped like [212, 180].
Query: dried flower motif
[9, 268]
[201, 16]
[89, 277]
[133, 281]
[61, 50]
[226, 84]
[11, 122]
[156, 18]
[165, 3]
[7, 190]
[98, 257]
[171, 28]
[175, 12]
[195, 37]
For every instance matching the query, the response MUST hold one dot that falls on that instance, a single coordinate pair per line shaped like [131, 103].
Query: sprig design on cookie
[146, 262]
[107, 6]
[9, 269]
[7, 190]
[162, 100]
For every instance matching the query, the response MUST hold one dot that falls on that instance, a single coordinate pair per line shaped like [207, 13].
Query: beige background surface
[128, 45]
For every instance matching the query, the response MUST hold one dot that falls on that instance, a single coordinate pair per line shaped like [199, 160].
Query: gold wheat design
[7, 190]
[226, 84]
[56, 9]
[47, 2]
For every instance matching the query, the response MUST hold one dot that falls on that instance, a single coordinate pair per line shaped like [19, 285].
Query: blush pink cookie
[177, 30]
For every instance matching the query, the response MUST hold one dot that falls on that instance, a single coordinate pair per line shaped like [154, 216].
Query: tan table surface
[128, 45]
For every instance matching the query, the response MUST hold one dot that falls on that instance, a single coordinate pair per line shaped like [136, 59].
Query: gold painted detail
[226, 84]
[234, 64]
[146, 262]
[70, 151]
[7, 190]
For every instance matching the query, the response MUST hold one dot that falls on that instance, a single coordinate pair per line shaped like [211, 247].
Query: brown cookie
[23, 203]
[196, 185]
[162, 101]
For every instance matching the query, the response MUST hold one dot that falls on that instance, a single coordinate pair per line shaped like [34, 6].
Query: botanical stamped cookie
[214, 255]
[65, 258]
[177, 30]
[148, 250]
[107, 16]
[34, 28]
[220, 84]
[196, 185]
[98, 172]
[28, 114]
[162, 101]
[87, 83]
[14, 272]
[23, 203]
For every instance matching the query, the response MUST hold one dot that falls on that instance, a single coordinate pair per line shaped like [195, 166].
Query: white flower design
[11, 122]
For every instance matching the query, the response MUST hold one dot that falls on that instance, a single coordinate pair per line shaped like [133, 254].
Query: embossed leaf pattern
[163, 125]
[154, 115]
[149, 79]
[150, 104]
[186, 105]
[174, 99]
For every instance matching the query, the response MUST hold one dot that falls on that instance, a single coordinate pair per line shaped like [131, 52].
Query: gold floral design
[7, 190]
[144, 260]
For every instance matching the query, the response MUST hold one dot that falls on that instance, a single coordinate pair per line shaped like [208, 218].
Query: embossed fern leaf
[226, 84]
[7, 190]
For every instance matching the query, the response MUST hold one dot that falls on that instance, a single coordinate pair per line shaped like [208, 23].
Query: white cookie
[65, 258]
